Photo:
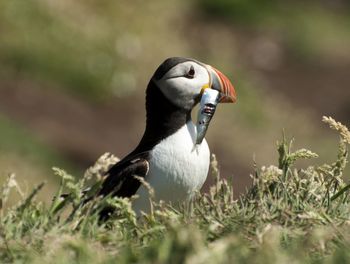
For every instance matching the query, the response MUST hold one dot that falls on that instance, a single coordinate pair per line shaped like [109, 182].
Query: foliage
[69, 45]
[288, 214]
[92, 49]
[14, 138]
[238, 10]
[309, 29]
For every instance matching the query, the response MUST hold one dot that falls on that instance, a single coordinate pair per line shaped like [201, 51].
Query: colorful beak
[222, 84]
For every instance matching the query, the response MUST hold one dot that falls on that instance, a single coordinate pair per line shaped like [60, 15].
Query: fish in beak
[219, 90]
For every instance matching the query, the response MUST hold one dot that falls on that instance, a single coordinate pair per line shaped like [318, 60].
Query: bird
[168, 157]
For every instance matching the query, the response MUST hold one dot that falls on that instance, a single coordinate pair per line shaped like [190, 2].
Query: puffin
[168, 156]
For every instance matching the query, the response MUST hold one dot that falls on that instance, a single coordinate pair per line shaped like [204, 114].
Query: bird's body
[168, 156]
[177, 168]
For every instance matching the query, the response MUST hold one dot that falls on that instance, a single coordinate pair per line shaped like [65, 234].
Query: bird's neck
[162, 120]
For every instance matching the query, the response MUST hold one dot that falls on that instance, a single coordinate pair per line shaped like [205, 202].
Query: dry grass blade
[342, 129]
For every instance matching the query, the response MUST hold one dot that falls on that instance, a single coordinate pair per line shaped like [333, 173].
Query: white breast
[178, 167]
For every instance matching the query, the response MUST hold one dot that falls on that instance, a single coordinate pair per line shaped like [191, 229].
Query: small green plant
[288, 214]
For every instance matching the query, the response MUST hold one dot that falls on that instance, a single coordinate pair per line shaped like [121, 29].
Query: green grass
[309, 29]
[24, 154]
[90, 49]
[289, 214]
[21, 146]
[14, 138]
[45, 42]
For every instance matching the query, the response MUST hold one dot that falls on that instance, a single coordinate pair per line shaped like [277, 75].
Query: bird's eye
[191, 72]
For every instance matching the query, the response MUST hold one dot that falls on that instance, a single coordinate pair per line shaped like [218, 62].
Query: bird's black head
[174, 89]
[183, 80]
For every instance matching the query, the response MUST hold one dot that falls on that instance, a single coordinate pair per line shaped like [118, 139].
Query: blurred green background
[73, 76]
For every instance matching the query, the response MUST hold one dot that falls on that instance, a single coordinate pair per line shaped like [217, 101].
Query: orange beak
[221, 83]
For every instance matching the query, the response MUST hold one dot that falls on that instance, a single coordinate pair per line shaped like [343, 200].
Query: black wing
[120, 180]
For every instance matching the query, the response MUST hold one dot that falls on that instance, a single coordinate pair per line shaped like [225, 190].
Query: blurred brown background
[73, 76]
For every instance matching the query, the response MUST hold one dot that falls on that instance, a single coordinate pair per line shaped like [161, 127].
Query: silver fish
[207, 107]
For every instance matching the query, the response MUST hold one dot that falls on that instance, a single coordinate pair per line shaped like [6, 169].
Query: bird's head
[183, 80]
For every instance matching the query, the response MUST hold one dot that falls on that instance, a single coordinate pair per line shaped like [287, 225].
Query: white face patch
[180, 86]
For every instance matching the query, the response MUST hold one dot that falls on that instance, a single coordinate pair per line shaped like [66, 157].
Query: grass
[42, 45]
[309, 29]
[288, 214]
[86, 48]
[24, 154]
[14, 138]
